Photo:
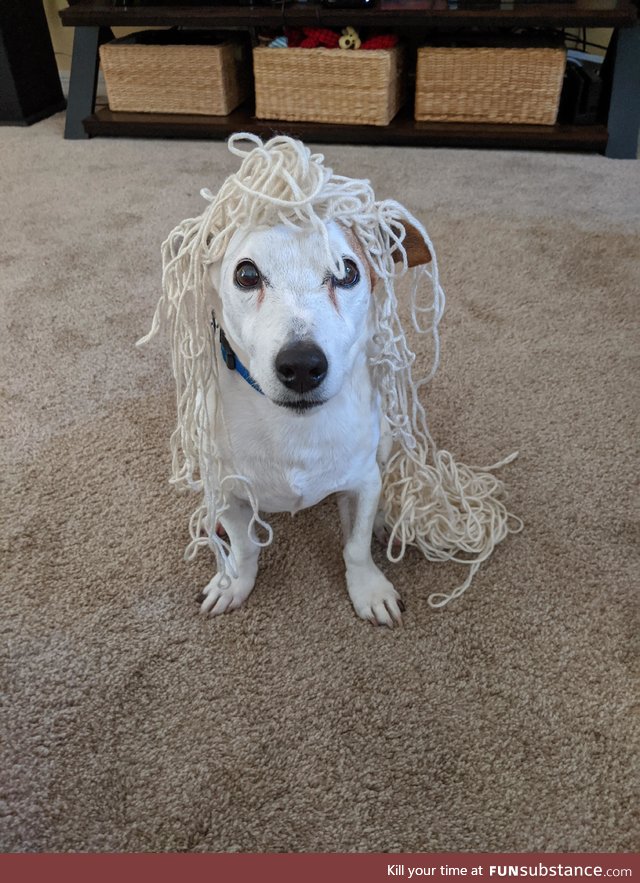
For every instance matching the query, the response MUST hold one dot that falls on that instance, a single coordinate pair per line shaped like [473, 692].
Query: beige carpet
[505, 722]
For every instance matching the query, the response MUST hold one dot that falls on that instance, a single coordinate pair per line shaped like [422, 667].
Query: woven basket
[491, 85]
[193, 79]
[328, 85]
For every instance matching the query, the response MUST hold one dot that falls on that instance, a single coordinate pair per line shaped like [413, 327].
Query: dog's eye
[247, 275]
[351, 275]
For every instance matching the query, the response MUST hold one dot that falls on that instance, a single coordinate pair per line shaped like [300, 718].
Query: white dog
[314, 427]
[302, 385]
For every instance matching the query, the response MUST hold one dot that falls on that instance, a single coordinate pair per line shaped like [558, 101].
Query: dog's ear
[415, 247]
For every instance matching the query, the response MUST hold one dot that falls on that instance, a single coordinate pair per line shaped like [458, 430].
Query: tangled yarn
[449, 511]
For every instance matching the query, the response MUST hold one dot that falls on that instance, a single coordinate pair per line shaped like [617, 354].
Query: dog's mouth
[300, 406]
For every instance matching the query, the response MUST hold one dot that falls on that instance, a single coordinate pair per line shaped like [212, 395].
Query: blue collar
[231, 360]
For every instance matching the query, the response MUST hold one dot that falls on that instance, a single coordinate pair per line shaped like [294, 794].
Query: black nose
[301, 366]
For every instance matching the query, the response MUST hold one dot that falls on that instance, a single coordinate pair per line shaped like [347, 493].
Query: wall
[62, 38]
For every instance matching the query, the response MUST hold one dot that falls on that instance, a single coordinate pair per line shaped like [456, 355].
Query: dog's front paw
[373, 597]
[215, 599]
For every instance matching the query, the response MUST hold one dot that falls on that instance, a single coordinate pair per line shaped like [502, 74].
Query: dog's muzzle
[301, 366]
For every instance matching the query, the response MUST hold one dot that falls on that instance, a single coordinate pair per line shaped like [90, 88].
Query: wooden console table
[94, 18]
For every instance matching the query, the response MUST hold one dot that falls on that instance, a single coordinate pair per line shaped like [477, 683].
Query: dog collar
[231, 360]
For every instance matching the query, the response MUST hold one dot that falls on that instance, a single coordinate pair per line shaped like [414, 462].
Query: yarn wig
[449, 511]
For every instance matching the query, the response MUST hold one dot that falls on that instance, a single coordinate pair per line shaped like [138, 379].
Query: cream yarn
[451, 512]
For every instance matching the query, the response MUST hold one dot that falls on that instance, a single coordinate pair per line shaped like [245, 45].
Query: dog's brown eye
[247, 275]
[351, 275]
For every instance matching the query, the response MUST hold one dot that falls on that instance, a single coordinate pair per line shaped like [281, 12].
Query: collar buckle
[230, 359]
[227, 353]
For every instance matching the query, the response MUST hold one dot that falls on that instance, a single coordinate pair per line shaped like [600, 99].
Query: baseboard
[101, 94]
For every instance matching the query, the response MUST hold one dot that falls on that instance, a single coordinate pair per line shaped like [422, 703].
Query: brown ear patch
[415, 247]
[413, 243]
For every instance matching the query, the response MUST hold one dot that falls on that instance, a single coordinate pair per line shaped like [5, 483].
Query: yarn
[449, 511]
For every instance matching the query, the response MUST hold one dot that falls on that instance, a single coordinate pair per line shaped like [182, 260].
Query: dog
[302, 417]
[301, 386]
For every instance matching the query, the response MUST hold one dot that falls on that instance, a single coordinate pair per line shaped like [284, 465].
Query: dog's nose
[301, 366]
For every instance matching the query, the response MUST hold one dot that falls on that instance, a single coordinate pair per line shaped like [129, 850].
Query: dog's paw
[215, 599]
[373, 597]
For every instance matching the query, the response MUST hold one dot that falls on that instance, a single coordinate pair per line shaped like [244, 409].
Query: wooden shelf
[386, 13]
[401, 131]
[411, 18]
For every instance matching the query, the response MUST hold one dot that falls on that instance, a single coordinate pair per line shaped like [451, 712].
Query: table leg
[84, 78]
[624, 109]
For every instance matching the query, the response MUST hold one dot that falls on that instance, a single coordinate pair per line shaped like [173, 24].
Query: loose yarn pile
[449, 511]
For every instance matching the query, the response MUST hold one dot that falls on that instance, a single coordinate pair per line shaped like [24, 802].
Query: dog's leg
[344, 511]
[236, 522]
[385, 446]
[372, 595]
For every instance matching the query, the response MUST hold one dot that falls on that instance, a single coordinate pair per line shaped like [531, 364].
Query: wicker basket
[492, 85]
[328, 85]
[192, 79]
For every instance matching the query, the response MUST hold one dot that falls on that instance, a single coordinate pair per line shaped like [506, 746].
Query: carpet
[507, 721]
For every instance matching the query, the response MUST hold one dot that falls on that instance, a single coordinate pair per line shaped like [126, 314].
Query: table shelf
[386, 13]
[403, 130]
[93, 20]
